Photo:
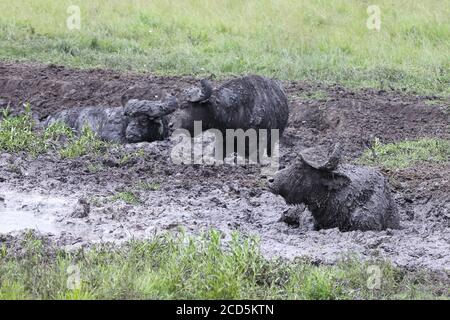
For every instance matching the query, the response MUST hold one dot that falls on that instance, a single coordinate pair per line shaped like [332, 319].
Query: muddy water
[225, 198]
[21, 211]
[45, 213]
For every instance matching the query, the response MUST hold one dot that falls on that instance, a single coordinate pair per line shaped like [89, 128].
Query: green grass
[313, 95]
[126, 196]
[95, 167]
[18, 133]
[127, 157]
[407, 153]
[149, 186]
[289, 39]
[21, 133]
[436, 102]
[202, 267]
[86, 143]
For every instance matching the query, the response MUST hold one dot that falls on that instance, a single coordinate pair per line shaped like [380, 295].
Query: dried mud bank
[76, 202]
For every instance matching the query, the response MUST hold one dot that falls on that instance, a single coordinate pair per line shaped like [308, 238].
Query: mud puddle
[21, 211]
[199, 197]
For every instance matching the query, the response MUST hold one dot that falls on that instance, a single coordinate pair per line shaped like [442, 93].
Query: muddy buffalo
[347, 197]
[136, 121]
[250, 102]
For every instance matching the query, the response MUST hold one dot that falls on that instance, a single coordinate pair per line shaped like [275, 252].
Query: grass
[289, 39]
[126, 158]
[95, 167]
[20, 133]
[201, 267]
[435, 102]
[86, 143]
[149, 186]
[407, 153]
[128, 197]
[313, 95]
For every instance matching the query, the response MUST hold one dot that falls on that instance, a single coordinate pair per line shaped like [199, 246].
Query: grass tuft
[405, 154]
[318, 95]
[126, 196]
[86, 143]
[188, 267]
[325, 41]
[21, 133]
[149, 186]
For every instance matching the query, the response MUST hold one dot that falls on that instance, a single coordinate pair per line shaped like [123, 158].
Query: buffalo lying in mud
[250, 102]
[137, 121]
[348, 197]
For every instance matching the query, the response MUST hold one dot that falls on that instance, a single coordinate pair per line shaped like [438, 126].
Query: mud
[199, 197]
[27, 211]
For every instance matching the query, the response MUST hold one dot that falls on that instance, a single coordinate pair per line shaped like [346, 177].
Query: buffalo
[136, 121]
[250, 102]
[348, 197]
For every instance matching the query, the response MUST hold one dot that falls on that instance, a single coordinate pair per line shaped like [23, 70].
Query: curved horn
[151, 109]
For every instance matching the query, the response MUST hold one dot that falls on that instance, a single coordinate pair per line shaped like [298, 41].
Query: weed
[86, 143]
[95, 167]
[292, 40]
[126, 196]
[149, 186]
[200, 267]
[404, 154]
[20, 133]
[317, 95]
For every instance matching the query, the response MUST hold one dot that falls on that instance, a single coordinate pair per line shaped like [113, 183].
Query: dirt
[47, 193]
[53, 88]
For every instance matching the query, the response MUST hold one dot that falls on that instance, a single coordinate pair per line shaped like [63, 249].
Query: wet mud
[75, 202]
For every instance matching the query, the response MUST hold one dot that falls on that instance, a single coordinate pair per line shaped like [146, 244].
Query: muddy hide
[137, 121]
[347, 197]
[250, 102]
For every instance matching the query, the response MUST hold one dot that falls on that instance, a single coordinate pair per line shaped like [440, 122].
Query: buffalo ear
[200, 94]
[207, 88]
[124, 99]
[171, 103]
[320, 159]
